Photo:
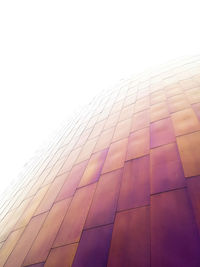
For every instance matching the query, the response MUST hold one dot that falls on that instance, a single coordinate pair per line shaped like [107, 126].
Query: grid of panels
[119, 184]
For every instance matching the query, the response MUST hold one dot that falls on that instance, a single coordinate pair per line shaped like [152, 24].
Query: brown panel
[130, 244]
[174, 235]
[43, 242]
[189, 149]
[104, 139]
[93, 169]
[9, 245]
[185, 121]
[161, 133]
[51, 194]
[122, 130]
[62, 256]
[74, 220]
[166, 169]
[24, 244]
[159, 111]
[140, 120]
[31, 208]
[72, 181]
[135, 186]
[102, 210]
[138, 144]
[116, 156]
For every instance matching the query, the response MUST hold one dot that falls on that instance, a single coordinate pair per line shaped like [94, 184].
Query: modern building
[119, 186]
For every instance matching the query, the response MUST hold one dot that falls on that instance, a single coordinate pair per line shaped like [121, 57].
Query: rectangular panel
[83, 138]
[130, 245]
[166, 169]
[117, 106]
[140, 120]
[126, 113]
[112, 120]
[31, 208]
[161, 133]
[122, 130]
[24, 244]
[177, 103]
[62, 256]
[185, 121]
[51, 194]
[189, 149]
[43, 242]
[93, 248]
[135, 186]
[130, 99]
[159, 111]
[196, 108]
[94, 167]
[157, 97]
[174, 235]
[72, 181]
[87, 150]
[97, 129]
[104, 140]
[116, 156]
[142, 104]
[71, 228]
[104, 204]
[138, 144]
[193, 185]
[70, 161]
[9, 245]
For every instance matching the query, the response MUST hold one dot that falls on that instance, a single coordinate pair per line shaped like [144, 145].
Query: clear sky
[56, 55]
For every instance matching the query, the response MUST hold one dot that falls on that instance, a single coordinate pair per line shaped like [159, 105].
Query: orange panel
[87, 150]
[51, 194]
[126, 113]
[62, 256]
[72, 181]
[104, 139]
[138, 144]
[112, 120]
[177, 103]
[140, 120]
[116, 156]
[159, 111]
[189, 149]
[104, 203]
[71, 228]
[9, 245]
[122, 130]
[185, 121]
[130, 245]
[43, 242]
[25, 242]
[93, 169]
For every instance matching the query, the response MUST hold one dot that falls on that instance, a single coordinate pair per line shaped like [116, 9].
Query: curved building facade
[119, 186]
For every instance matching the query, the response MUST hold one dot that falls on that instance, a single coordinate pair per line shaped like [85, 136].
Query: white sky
[56, 55]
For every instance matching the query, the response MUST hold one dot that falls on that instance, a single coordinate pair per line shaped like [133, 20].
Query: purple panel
[162, 133]
[36, 265]
[94, 247]
[166, 169]
[104, 205]
[130, 244]
[196, 108]
[194, 193]
[135, 187]
[174, 235]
